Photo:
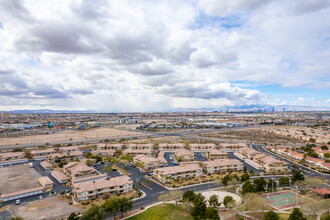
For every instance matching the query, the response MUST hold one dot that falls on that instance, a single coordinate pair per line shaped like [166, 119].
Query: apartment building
[166, 174]
[73, 155]
[271, 164]
[104, 153]
[111, 147]
[46, 165]
[161, 157]
[222, 166]
[140, 146]
[148, 161]
[99, 188]
[233, 146]
[68, 149]
[46, 183]
[196, 147]
[39, 153]
[11, 156]
[135, 152]
[61, 177]
[171, 146]
[77, 170]
[213, 154]
[249, 153]
[184, 155]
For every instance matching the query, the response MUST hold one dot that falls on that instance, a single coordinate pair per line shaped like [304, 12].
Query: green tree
[125, 204]
[284, 181]
[271, 185]
[271, 215]
[259, 184]
[89, 163]
[27, 154]
[95, 212]
[199, 209]
[296, 214]
[312, 140]
[245, 177]
[214, 202]
[111, 206]
[323, 147]
[297, 176]
[227, 200]
[326, 155]
[73, 216]
[244, 170]
[16, 218]
[188, 196]
[247, 187]
[225, 180]
[212, 214]
[107, 169]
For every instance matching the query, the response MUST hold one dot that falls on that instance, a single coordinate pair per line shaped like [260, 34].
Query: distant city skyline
[144, 56]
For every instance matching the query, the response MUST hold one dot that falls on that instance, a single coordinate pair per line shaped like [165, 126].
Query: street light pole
[296, 194]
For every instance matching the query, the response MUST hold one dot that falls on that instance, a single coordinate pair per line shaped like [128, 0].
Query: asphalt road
[200, 156]
[168, 156]
[303, 169]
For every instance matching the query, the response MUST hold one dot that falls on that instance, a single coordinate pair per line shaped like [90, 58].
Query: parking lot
[18, 177]
[200, 156]
[169, 157]
[100, 168]
[55, 207]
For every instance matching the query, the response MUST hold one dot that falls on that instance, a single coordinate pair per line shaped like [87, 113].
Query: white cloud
[145, 55]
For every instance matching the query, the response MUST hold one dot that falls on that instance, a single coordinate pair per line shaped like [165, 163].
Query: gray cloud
[15, 9]
[82, 91]
[60, 38]
[49, 92]
[308, 6]
[223, 7]
[89, 10]
[204, 91]
[6, 72]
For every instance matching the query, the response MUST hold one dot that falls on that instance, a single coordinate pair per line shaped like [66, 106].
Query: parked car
[17, 202]
[40, 197]
[52, 192]
[114, 169]
[101, 162]
[67, 191]
[121, 174]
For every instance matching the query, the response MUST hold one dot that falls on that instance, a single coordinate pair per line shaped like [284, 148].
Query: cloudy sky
[146, 55]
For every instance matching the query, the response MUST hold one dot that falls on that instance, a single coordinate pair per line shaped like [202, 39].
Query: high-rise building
[5, 115]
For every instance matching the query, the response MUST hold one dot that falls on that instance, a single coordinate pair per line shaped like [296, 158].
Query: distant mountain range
[242, 108]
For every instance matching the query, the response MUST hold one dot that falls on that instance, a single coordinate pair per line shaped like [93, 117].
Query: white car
[17, 202]
[40, 197]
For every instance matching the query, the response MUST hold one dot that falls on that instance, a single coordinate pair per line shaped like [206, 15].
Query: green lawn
[164, 212]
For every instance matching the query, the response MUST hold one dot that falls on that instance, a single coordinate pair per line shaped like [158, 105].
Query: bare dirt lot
[49, 208]
[18, 177]
[67, 136]
[252, 136]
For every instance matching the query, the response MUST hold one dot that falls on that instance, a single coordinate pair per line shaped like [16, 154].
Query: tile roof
[222, 162]
[178, 169]
[59, 175]
[45, 180]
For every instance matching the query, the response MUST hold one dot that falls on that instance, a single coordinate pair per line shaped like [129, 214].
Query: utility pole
[296, 194]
